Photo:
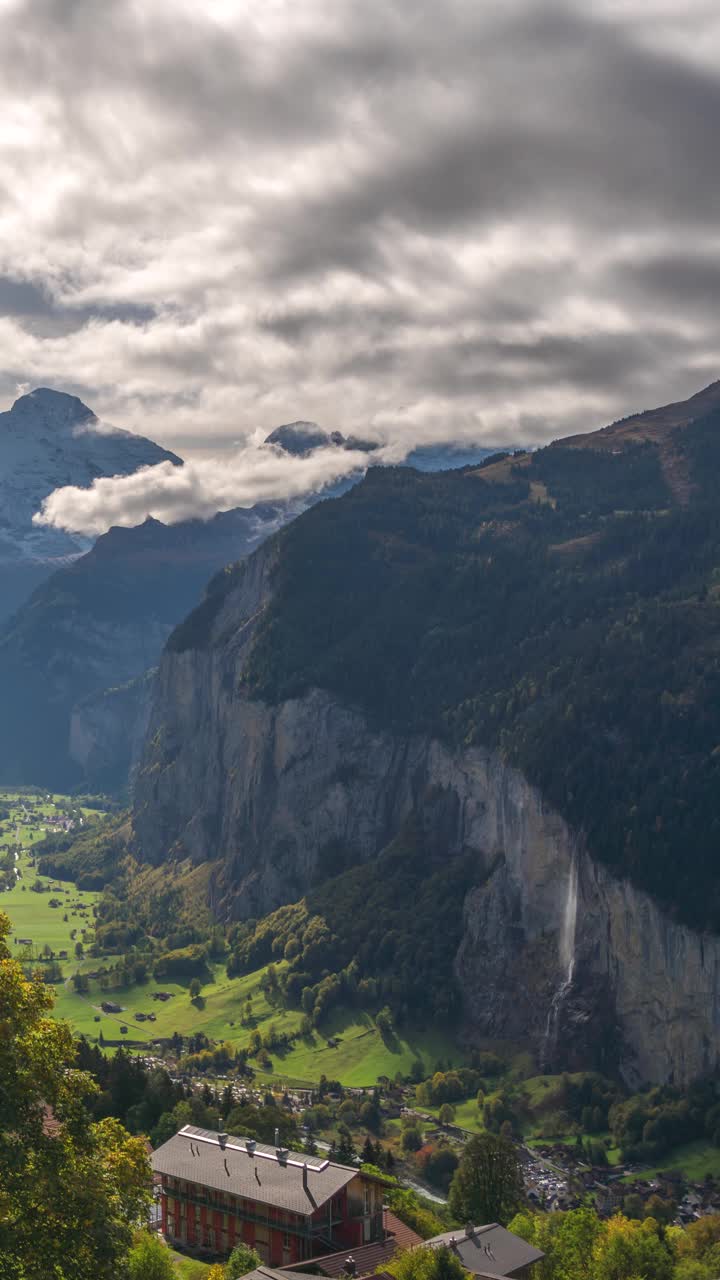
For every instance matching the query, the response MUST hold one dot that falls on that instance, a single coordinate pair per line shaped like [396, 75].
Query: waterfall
[567, 967]
[567, 933]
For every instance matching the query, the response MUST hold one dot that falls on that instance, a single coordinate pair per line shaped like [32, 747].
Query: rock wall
[107, 733]
[555, 951]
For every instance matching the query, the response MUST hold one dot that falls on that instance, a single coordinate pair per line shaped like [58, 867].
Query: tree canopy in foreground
[71, 1190]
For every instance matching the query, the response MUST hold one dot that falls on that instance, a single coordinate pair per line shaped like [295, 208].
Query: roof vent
[250, 1146]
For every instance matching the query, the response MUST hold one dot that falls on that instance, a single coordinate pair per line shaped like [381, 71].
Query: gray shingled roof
[252, 1170]
[490, 1250]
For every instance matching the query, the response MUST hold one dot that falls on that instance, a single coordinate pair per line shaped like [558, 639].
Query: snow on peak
[49, 439]
[44, 407]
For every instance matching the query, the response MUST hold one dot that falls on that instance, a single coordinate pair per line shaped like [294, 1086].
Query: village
[204, 1219]
[555, 1178]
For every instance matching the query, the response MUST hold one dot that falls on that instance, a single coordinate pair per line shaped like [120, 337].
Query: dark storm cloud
[685, 280]
[420, 220]
[21, 298]
[579, 126]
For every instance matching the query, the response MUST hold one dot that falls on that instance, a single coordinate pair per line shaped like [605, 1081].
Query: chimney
[250, 1146]
[469, 1230]
[222, 1139]
[350, 1266]
[305, 1180]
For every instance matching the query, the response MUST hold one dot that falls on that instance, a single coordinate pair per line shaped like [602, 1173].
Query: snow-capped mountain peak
[49, 439]
[44, 408]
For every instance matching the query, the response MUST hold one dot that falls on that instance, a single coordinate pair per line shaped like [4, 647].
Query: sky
[423, 221]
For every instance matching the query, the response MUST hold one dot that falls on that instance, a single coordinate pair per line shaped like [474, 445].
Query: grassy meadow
[30, 913]
[357, 1055]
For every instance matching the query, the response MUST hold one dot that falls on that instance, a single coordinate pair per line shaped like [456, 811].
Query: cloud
[197, 489]
[428, 221]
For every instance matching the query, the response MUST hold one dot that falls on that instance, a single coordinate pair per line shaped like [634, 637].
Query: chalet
[218, 1189]
[491, 1251]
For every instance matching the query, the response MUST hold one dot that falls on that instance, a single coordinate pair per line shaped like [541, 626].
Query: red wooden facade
[202, 1218]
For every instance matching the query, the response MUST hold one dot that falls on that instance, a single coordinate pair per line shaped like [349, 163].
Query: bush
[150, 1260]
[241, 1260]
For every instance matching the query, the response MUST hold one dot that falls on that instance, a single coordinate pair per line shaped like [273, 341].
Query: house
[491, 1251]
[109, 1006]
[218, 1189]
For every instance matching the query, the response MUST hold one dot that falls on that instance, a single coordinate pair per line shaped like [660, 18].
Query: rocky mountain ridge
[465, 645]
[270, 789]
[72, 661]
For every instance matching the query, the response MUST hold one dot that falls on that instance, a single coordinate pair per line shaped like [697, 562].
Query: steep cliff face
[555, 951]
[107, 733]
[603, 970]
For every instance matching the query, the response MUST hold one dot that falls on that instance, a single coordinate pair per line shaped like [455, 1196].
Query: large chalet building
[218, 1190]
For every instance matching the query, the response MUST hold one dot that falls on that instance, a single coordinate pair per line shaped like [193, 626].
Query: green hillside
[358, 1055]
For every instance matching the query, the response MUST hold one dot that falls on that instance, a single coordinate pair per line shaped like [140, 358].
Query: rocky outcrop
[107, 733]
[556, 952]
[643, 990]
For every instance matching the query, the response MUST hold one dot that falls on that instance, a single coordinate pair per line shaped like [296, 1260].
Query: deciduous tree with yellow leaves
[71, 1191]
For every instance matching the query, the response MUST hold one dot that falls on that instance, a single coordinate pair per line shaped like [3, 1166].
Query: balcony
[305, 1230]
